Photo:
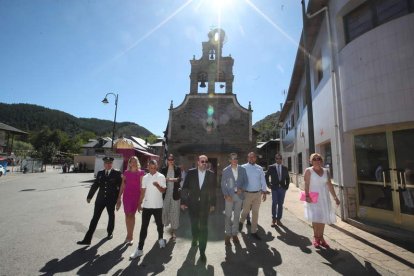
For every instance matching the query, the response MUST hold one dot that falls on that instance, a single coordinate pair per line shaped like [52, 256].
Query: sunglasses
[170, 159]
[317, 159]
[278, 158]
[203, 161]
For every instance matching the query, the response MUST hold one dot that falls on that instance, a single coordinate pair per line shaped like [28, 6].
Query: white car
[2, 170]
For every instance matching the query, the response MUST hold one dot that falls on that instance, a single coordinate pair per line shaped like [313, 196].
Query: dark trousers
[278, 198]
[199, 227]
[146, 216]
[99, 207]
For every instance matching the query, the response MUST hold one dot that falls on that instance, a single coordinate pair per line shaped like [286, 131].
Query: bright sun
[222, 4]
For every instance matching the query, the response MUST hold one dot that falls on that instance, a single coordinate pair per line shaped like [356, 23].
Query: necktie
[107, 173]
[279, 172]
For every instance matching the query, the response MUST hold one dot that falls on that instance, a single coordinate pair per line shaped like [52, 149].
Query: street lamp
[105, 101]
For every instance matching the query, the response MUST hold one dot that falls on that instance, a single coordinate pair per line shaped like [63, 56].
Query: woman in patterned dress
[321, 212]
[172, 200]
[131, 191]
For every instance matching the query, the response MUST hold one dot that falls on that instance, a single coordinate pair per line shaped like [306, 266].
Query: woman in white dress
[321, 212]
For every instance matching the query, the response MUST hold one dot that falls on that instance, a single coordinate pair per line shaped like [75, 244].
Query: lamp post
[105, 101]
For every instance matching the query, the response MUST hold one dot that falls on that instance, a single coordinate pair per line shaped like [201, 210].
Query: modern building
[361, 68]
[210, 120]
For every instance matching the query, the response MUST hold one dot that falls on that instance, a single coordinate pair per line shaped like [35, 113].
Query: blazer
[274, 183]
[199, 200]
[108, 186]
[228, 183]
[177, 187]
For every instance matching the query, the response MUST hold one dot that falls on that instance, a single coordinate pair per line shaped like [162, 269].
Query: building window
[292, 119]
[327, 153]
[387, 10]
[297, 111]
[300, 163]
[290, 164]
[318, 69]
[372, 14]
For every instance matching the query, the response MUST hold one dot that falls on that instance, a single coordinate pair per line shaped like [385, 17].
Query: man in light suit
[279, 183]
[199, 196]
[233, 183]
[108, 181]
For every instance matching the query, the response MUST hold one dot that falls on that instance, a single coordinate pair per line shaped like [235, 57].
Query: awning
[147, 153]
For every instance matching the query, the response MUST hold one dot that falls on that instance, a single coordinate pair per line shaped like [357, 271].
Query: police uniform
[108, 186]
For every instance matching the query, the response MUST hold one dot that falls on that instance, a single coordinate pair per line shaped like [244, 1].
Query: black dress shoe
[84, 242]
[240, 226]
[110, 236]
[248, 222]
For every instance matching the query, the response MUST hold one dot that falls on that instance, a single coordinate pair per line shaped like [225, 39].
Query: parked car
[2, 170]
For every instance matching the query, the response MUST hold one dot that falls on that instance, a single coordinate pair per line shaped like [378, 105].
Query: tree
[47, 153]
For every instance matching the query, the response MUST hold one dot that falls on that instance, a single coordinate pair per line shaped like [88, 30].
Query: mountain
[267, 127]
[29, 117]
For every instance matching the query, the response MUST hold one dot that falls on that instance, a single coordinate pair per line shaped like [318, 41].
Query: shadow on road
[152, 263]
[291, 238]
[258, 258]
[103, 264]
[190, 267]
[345, 263]
[76, 259]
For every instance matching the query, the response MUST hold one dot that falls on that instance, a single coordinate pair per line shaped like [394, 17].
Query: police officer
[108, 181]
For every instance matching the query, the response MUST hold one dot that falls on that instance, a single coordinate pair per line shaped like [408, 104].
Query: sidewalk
[370, 247]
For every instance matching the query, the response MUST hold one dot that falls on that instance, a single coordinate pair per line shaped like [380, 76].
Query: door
[385, 174]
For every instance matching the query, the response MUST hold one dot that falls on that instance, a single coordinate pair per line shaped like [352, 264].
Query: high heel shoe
[316, 242]
[324, 244]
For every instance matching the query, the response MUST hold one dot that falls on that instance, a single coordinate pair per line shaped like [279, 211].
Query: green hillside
[29, 118]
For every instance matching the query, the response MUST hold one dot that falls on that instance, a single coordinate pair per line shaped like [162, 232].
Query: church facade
[210, 121]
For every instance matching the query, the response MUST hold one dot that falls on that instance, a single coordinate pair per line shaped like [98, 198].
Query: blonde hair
[315, 155]
[130, 160]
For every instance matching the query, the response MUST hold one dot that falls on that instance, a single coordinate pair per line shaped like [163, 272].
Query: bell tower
[212, 67]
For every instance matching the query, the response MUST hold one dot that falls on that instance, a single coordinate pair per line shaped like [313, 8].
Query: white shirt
[201, 176]
[234, 170]
[153, 196]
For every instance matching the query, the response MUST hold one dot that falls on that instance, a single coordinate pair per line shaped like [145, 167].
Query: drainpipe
[337, 113]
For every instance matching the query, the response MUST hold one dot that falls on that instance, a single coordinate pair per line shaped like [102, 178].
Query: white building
[362, 87]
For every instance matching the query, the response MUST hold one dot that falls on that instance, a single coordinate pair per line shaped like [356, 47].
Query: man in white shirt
[152, 188]
[255, 192]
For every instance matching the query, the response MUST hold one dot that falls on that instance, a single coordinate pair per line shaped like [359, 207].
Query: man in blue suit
[279, 183]
[233, 183]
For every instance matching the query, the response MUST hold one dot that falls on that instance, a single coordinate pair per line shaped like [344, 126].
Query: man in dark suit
[279, 183]
[108, 181]
[199, 195]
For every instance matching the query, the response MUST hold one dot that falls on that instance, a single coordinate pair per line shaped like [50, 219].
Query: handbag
[313, 196]
[176, 191]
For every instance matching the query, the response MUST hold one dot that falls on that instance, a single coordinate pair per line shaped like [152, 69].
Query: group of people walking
[163, 193]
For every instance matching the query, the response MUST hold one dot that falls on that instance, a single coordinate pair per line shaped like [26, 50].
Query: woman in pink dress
[131, 191]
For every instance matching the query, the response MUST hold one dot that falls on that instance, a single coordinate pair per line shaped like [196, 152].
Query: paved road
[42, 216]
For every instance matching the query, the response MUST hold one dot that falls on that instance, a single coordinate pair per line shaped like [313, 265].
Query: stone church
[210, 121]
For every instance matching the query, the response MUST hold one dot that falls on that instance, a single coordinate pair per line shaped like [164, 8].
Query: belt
[253, 192]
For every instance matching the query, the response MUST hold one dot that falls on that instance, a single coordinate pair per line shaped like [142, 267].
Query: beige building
[210, 121]
[362, 89]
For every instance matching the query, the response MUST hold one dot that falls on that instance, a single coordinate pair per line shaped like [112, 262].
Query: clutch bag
[313, 196]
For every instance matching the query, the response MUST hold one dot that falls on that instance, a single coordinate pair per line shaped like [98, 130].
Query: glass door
[403, 141]
[385, 174]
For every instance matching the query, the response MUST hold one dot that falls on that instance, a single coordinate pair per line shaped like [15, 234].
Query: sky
[68, 54]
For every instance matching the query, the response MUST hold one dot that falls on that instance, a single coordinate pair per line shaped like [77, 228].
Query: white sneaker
[137, 253]
[161, 243]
